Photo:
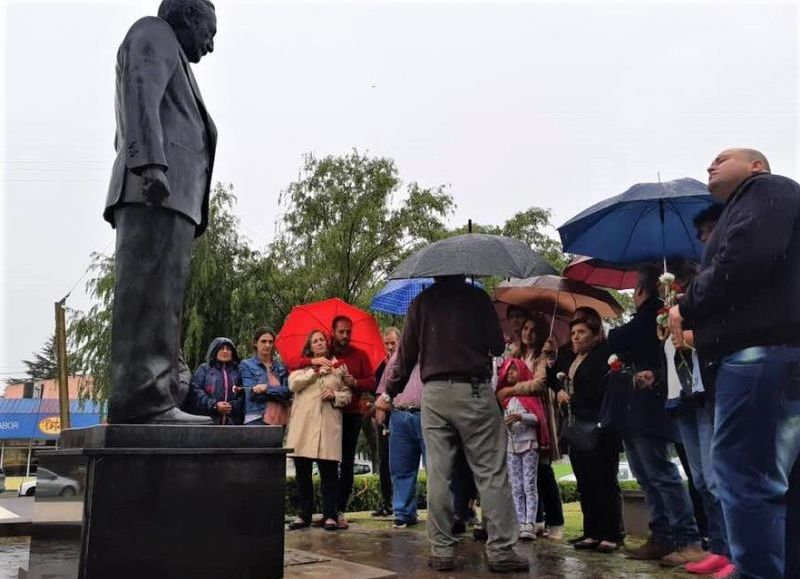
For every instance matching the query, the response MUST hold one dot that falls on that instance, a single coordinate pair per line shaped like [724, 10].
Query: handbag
[582, 435]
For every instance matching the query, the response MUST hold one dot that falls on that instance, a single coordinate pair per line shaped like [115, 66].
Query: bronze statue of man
[158, 203]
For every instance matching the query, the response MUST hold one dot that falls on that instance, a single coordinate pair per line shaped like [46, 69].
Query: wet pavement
[406, 553]
[13, 555]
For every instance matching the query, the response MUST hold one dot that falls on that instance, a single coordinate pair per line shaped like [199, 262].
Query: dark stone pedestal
[173, 502]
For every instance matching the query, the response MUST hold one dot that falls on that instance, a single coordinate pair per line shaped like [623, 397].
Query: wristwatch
[386, 398]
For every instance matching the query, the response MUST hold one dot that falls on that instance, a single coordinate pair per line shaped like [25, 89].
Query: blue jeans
[696, 426]
[671, 517]
[756, 443]
[405, 449]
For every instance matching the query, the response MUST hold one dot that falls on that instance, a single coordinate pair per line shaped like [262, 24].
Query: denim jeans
[671, 517]
[405, 449]
[696, 426]
[756, 444]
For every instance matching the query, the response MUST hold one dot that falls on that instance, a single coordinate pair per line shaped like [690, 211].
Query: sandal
[341, 522]
[298, 523]
[331, 525]
[587, 545]
[607, 547]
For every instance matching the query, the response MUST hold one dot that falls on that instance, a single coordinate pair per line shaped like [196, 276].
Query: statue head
[194, 23]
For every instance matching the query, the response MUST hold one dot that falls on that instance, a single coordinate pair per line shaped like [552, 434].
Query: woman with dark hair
[594, 451]
[213, 384]
[533, 339]
[315, 429]
[265, 390]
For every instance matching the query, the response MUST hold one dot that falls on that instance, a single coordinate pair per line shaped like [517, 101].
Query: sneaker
[458, 528]
[317, 521]
[526, 532]
[682, 556]
[298, 523]
[382, 512]
[439, 563]
[727, 572]
[708, 565]
[400, 524]
[555, 533]
[341, 520]
[509, 563]
[480, 534]
[650, 551]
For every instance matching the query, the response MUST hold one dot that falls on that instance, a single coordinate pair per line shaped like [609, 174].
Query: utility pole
[61, 356]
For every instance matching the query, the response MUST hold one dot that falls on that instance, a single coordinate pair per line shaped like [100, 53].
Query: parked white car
[625, 473]
[49, 484]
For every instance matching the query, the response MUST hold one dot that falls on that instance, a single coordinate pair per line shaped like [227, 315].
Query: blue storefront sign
[39, 418]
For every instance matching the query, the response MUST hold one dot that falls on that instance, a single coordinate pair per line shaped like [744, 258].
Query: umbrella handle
[553, 319]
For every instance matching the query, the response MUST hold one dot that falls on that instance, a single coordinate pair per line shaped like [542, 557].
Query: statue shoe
[177, 416]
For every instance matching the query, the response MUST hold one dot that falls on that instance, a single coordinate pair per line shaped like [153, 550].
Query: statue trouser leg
[153, 254]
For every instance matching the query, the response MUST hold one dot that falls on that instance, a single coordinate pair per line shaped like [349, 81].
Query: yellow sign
[50, 425]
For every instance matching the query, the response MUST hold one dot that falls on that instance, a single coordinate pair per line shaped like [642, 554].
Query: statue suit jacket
[161, 120]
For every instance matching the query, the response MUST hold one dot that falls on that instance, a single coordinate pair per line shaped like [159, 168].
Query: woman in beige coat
[315, 430]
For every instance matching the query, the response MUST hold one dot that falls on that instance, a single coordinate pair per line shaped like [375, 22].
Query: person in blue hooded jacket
[214, 383]
[265, 382]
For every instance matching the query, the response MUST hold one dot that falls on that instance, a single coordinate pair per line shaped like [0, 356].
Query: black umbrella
[475, 254]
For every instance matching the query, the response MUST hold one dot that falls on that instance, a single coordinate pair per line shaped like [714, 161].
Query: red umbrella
[304, 319]
[601, 273]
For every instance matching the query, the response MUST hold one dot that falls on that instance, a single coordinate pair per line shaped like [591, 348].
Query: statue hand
[156, 186]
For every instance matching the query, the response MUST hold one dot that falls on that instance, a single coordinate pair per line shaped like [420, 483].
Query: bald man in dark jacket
[744, 307]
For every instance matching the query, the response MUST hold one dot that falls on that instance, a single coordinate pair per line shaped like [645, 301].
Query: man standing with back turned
[158, 203]
[744, 307]
[452, 329]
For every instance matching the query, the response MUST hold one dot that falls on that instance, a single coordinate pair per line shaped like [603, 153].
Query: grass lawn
[573, 521]
[560, 469]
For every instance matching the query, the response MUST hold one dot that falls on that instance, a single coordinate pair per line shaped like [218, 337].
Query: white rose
[612, 359]
[560, 376]
[666, 278]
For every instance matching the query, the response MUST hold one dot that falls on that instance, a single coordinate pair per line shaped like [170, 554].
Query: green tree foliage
[346, 225]
[44, 365]
[90, 332]
[218, 258]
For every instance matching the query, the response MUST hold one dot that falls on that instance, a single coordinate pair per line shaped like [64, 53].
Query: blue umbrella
[649, 221]
[398, 294]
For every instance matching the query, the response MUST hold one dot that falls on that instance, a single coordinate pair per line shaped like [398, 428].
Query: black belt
[410, 409]
[460, 379]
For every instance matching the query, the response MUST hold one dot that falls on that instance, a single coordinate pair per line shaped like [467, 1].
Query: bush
[367, 492]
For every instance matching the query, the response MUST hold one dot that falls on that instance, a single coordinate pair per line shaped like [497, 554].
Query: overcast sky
[557, 105]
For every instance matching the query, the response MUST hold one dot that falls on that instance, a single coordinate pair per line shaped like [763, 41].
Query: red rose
[616, 365]
[676, 287]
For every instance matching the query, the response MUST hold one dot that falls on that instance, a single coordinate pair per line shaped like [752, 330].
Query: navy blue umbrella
[650, 221]
[397, 295]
